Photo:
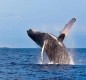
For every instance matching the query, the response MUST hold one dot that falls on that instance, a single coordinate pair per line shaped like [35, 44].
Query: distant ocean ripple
[22, 64]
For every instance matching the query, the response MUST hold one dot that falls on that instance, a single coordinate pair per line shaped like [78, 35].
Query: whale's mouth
[36, 36]
[30, 31]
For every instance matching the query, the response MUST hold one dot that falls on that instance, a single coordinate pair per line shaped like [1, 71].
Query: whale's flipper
[66, 29]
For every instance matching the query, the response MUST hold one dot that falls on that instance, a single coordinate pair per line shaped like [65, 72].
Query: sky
[17, 16]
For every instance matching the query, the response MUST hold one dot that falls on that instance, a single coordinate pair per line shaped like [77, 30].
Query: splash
[50, 62]
[42, 53]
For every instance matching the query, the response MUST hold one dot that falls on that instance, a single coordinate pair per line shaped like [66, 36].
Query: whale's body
[53, 46]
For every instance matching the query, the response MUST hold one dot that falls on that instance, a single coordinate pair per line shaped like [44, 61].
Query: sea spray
[71, 60]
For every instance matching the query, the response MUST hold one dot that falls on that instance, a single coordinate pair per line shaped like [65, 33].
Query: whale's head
[36, 36]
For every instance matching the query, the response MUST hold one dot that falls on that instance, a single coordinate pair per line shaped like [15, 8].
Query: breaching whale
[53, 46]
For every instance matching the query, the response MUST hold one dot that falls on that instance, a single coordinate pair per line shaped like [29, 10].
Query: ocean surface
[23, 64]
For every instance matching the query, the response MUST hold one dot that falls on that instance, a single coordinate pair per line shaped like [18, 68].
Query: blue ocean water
[22, 64]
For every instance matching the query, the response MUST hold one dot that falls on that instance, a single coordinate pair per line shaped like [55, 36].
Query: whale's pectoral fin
[66, 29]
[61, 37]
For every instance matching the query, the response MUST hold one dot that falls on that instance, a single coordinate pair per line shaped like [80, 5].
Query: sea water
[23, 64]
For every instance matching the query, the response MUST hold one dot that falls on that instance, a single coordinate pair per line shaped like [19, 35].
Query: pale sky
[16, 16]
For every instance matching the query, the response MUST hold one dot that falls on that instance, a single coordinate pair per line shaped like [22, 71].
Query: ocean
[23, 64]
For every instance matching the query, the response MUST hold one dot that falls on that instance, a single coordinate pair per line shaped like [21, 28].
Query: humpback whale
[52, 45]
